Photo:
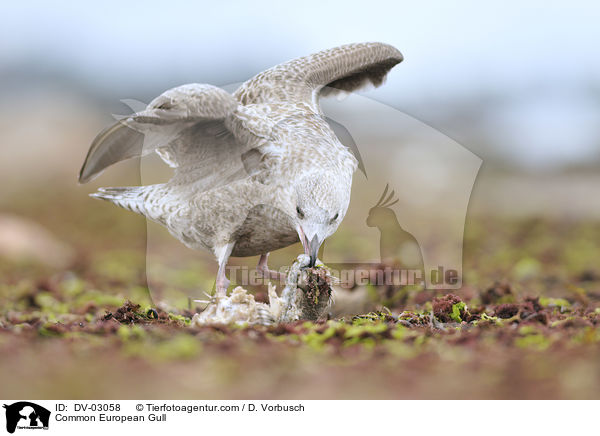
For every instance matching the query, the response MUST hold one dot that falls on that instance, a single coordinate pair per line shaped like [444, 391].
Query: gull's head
[321, 202]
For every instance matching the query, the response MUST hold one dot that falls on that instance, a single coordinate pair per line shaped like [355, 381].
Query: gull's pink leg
[266, 272]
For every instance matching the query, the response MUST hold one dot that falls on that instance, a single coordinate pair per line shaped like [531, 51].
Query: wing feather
[345, 68]
[165, 119]
[115, 143]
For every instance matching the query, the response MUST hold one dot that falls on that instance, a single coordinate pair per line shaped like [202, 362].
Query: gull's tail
[132, 198]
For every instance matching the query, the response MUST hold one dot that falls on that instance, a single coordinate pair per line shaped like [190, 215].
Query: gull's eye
[335, 217]
[300, 213]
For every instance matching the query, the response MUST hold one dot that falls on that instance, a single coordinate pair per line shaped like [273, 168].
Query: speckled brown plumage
[253, 171]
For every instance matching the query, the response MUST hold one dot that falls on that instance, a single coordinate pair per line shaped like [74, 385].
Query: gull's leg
[263, 268]
[222, 282]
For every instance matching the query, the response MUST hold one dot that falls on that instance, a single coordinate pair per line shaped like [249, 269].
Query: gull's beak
[311, 248]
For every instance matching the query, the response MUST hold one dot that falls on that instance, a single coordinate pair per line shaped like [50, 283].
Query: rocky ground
[526, 324]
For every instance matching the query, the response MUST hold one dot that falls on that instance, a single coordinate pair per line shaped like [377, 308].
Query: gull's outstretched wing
[211, 137]
[345, 68]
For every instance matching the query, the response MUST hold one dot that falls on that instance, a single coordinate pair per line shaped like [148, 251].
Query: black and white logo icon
[26, 415]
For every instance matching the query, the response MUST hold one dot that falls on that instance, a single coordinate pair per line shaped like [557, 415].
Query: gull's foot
[271, 274]
[267, 273]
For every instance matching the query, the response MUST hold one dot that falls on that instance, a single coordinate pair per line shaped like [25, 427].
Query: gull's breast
[266, 228]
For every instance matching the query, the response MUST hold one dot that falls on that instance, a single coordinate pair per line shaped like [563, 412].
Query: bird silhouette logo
[397, 247]
[26, 415]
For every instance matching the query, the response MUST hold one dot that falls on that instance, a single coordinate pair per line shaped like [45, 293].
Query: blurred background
[517, 84]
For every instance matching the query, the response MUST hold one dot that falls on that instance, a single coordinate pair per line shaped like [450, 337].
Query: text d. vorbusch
[277, 408]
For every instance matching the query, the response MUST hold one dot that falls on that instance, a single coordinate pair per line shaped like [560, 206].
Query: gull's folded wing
[164, 121]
